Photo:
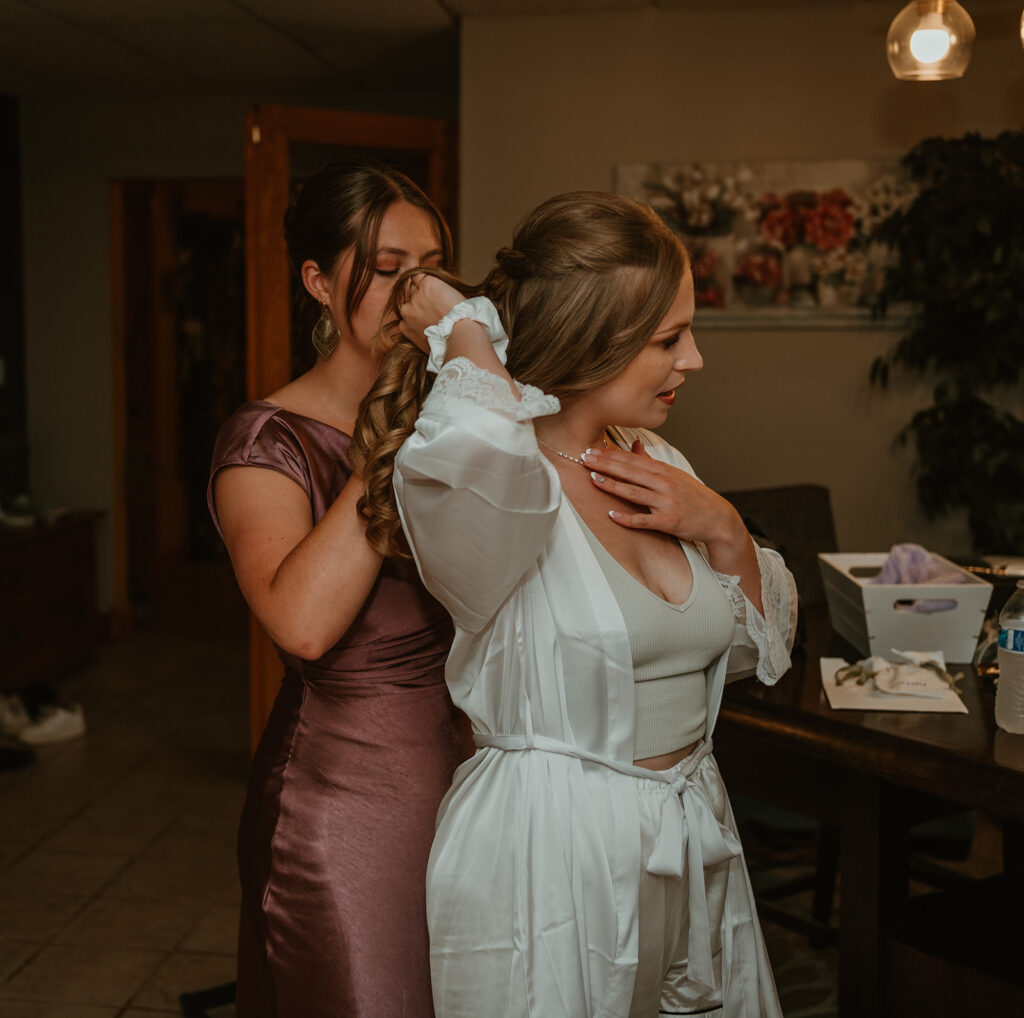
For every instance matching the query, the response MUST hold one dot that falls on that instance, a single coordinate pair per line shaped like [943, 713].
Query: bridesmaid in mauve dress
[363, 739]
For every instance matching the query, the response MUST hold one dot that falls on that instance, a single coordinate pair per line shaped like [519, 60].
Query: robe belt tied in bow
[690, 838]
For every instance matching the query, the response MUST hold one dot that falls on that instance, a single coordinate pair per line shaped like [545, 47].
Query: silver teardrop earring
[325, 334]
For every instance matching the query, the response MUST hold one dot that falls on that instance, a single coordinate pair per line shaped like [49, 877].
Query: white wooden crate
[876, 618]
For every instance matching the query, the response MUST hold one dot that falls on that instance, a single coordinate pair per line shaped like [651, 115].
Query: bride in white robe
[534, 885]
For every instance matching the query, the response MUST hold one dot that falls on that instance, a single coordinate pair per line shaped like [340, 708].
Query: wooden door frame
[120, 622]
[123, 195]
[269, 130]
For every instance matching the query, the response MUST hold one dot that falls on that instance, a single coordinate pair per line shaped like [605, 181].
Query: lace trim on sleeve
[461, 384]
[737, 599]
[772, 633]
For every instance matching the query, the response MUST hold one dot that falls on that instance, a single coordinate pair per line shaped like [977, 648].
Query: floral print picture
[790, 240]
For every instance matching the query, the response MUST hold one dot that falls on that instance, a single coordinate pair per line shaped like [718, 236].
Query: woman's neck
[332, 389]
[571, 435]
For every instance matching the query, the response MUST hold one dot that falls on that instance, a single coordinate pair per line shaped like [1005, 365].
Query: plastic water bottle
[1010, 691]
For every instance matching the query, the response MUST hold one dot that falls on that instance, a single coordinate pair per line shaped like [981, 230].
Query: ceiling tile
[384, 15]
[103, 46]
[500, 8]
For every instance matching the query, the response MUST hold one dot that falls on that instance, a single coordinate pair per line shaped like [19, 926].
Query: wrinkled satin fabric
[682, 836]
[344, 786]
[665, 957]
[534, 880]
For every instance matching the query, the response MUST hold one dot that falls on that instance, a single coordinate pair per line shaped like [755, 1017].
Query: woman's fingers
[639, 478]
[663, 506]
[407, 289]
[411, 327]
[407, 329]
[677, 503]
[423, 301]
[635, 465]
[415, 310]
[636, 493]
[636, 521]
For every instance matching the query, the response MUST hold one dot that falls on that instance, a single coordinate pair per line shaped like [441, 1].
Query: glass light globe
[930, 40]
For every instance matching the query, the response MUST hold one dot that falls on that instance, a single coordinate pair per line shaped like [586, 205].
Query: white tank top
[671, 645]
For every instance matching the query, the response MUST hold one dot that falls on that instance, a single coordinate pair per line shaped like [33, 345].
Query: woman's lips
[668, 398]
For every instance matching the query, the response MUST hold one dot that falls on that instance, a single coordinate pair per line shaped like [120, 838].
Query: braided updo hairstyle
[585, 283]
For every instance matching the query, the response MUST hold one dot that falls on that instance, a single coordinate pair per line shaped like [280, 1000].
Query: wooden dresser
[48, 618]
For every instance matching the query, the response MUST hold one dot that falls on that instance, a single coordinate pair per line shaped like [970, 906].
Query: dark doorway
[182, 258]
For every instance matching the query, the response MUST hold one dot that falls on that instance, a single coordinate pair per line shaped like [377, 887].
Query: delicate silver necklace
[565, 455]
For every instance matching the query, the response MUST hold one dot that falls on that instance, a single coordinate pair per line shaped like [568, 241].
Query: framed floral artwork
[784, 244]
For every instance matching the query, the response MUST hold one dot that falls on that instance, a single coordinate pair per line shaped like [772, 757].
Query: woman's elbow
[305, 648]
[300, 639]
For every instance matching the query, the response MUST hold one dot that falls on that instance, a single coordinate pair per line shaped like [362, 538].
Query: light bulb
[929, 44]
[930, 40]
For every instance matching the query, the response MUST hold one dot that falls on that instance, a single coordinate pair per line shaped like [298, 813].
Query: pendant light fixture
[930, 40]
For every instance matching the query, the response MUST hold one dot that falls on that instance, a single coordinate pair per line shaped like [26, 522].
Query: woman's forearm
[734, 555]
[471, 340]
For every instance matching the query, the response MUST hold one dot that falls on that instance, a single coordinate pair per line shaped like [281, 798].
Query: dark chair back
[797, 520]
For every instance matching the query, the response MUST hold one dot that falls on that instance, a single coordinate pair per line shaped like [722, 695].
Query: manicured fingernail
[597, 477]
[615, 515]
[588, 456]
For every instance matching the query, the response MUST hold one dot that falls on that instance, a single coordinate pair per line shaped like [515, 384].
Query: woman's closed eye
[390, 271]
[667, 344]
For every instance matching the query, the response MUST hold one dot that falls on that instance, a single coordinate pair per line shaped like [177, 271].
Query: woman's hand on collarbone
[668, 499]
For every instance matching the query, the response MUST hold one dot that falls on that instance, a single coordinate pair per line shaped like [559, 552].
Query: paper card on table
[931, 696]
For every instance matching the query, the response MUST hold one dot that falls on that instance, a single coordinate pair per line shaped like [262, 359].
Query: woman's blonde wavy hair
[584, 285]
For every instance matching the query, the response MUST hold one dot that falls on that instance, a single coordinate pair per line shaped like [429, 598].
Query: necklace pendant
[565, 455]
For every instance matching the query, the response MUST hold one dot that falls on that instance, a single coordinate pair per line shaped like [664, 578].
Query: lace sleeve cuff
[463, 387]
[771, 633]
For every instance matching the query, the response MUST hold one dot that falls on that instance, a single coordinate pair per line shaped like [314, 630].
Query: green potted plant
[958, 265]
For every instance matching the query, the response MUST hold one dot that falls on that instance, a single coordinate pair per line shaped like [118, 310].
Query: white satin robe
[533, 879]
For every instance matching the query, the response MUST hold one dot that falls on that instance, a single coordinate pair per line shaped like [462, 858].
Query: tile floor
[118, 890]
[117, 874]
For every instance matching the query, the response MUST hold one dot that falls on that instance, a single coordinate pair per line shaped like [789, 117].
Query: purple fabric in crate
[910, 563]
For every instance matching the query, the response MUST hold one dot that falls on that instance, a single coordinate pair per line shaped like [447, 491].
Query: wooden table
[867, 773]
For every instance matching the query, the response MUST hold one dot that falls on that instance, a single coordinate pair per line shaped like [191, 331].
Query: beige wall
[70, 152]
[552, 104]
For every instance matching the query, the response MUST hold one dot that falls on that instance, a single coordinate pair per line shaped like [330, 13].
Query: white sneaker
[55, 724]
[13, 716]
